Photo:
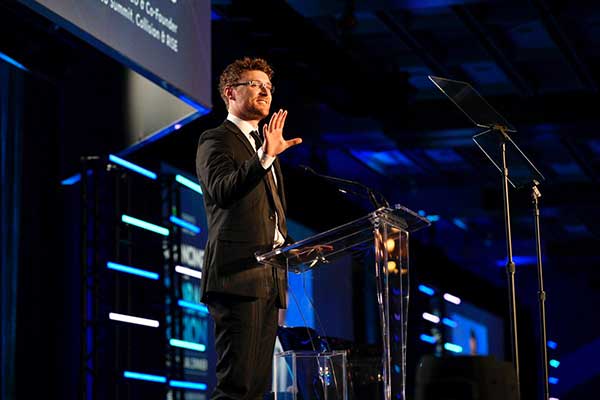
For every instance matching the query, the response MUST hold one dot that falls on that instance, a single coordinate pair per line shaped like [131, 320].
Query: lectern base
[306, 375]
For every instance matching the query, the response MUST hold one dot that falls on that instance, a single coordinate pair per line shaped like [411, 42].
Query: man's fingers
[278, 119]
[293, 142]
[281, 119]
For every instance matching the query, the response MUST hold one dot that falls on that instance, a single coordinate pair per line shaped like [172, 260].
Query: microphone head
[307, 169]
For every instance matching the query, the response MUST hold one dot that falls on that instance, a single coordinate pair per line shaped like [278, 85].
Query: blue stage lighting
[145, 225]
[187, 345]
[12, 61]
[427, 290]
[453, 347]
[144, 377]
[132, 270]
[132, 166]
[518, 260]
[194, 306]
[460, 223]
[188, 183]
[184, 224]
[449, 322]
[71, 180]
[427, 338]
[188, 385]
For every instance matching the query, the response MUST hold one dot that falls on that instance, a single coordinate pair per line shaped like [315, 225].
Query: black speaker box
[465, 378]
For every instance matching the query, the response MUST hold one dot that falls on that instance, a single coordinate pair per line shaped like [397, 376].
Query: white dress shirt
[265, 160]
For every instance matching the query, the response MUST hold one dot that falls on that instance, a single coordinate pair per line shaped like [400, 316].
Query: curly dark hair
[232, 72]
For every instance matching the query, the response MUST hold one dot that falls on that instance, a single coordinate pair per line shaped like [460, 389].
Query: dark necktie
[257, 139]
[273, 187]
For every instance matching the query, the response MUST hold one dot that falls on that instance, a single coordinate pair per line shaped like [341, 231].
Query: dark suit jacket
[240, 213]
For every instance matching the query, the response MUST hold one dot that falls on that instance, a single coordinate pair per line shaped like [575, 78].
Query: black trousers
[245, 331]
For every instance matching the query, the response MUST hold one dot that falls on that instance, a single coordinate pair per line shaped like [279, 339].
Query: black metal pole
[83, 372]
[510, 265]
[535, 195]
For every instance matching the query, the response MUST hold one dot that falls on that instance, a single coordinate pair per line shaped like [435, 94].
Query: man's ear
[229, 93]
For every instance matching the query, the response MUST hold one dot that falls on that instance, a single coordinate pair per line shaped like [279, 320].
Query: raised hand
[274, 143]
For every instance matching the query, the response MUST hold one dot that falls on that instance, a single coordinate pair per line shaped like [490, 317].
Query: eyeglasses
[257, 84]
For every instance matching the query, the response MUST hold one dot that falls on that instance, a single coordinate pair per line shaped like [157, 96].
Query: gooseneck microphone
[371, 194]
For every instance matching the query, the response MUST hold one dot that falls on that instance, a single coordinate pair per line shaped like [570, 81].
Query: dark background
[353, 76]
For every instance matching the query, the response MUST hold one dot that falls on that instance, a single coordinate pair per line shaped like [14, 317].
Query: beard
[258, 111]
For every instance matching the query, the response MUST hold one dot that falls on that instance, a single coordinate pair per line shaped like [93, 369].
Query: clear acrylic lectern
[385, 232]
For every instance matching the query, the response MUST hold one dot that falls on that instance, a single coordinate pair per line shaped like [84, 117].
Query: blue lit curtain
[11, 93]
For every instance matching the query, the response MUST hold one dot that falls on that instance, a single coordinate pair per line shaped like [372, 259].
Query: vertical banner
[189, 326]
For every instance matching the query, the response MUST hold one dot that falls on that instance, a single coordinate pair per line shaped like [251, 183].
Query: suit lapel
[277, 168]
[239, 135]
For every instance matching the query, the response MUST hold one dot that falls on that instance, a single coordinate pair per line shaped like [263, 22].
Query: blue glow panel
[74, 178]
[13, 62]
[384, 161]
[132, 270]
[444, 156]
[568, 168]
[427, 290]
[433, 218]
[188, 183]
[131, 166]
[194, 306]
[187, 345]
[427, 338]
[518, 260]
[460, 223]
[144, 377]
[552, 380]
[552, 344]
[453, 347]
[145, 225]
[184, 224]
[188, 385]
[71, 180]
[449, 322]
[554, 363]
[214, 16]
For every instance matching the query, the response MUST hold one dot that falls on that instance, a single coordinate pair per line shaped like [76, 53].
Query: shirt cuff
[265, 160]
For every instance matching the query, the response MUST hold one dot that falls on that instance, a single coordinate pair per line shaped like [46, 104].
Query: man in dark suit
[245, 205]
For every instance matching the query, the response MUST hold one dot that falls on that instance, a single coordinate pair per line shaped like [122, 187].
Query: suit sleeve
[226, 179]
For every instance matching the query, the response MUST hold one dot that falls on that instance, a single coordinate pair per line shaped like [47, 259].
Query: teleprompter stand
[518, 171]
